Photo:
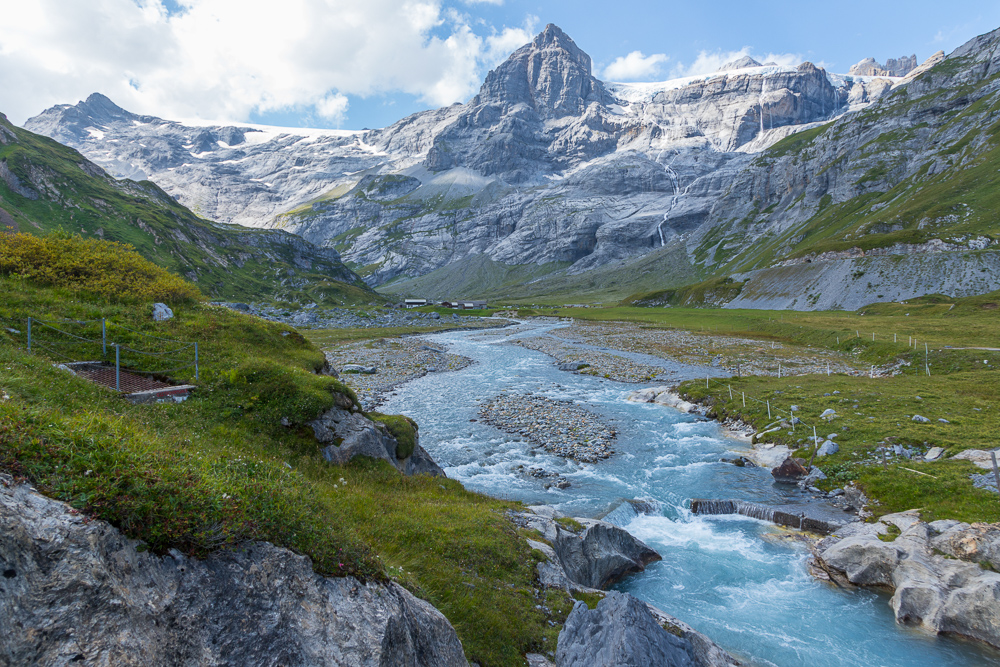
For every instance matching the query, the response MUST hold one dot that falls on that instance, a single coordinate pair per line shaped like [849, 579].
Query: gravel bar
[560, 427]
[395, 361]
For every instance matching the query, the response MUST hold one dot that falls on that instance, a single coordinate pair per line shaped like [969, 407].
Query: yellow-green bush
[112, 270]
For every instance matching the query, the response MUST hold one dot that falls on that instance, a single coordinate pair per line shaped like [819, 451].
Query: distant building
[414, 303]
[464, 305]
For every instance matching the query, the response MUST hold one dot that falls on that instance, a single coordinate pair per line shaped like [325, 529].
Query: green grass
[220, 468]
[875, 412]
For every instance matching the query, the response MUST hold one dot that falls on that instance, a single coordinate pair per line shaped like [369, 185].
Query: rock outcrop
[346, 433]
[584, 552]
[933, 570]
[77, 590]
[619, 631]
[896, 67]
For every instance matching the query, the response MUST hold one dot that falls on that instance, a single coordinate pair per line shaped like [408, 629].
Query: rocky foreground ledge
[75, 590]
[943, 574]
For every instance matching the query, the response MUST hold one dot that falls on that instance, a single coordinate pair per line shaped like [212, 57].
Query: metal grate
[130, 383]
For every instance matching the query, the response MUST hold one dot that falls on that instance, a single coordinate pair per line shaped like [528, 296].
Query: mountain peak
[551, 74]
[739, 63]
[553, 37]
[100, 107]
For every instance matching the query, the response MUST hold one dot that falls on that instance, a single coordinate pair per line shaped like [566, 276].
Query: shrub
[111, 270]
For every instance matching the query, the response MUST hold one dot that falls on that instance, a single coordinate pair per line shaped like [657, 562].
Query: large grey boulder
[596, 555]
[620, 632]
[865, 559]
[75, 590]
[347, 434]
[942, 595]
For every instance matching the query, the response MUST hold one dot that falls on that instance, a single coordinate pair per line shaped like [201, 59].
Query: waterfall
[675, 185]
[763, 89]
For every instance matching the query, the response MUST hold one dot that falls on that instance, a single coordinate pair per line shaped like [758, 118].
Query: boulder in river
[591, 553]
[789, 472]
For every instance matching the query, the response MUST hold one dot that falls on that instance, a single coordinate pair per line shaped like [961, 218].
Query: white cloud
[635, 66]
[710, 61]
[333, 107]
[225, 59]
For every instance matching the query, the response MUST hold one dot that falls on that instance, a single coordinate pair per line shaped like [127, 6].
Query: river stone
[620, 632]
[789, 472]
[943, 595]
[77, 590]
[162, 312]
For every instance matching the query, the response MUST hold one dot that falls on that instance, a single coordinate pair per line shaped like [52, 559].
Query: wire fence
[98, 340]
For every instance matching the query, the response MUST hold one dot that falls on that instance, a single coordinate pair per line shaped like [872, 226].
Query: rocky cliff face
[75, 590]
[548, 166]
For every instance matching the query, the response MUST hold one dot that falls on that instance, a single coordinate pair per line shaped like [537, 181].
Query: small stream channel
[742, 582]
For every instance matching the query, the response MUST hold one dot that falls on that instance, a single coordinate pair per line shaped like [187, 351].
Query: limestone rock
[78, 590]
[348, 434]
[619, 631]
[940, 594]
[162, 312]
[827, 448]
[595, 556]
[979, 457]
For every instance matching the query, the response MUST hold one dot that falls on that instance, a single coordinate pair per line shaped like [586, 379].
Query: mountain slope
[46, 186]
[801, 184]
[897, 200]
[546, 164]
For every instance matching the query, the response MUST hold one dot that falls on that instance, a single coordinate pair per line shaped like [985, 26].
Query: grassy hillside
[221, 468]
[45, 186]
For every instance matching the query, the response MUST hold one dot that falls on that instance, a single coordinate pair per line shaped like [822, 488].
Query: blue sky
[368, 63]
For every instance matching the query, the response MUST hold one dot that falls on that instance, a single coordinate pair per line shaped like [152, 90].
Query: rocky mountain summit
[892, 67]
[549, 173]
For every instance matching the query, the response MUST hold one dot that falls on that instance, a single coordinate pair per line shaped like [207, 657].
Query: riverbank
[376, 367]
